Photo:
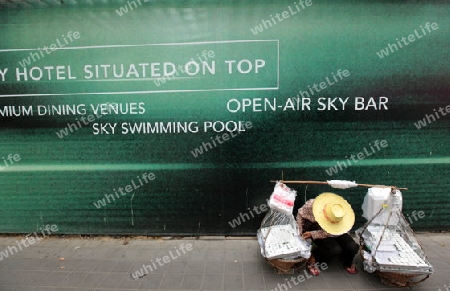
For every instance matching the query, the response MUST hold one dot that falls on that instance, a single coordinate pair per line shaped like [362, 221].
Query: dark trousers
[328, 248]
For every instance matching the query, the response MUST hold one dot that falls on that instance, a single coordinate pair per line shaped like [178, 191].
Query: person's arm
[300, 221]
[305, 218]
[319, 234]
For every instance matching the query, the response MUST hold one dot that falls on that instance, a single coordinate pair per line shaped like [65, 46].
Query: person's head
[333, 213]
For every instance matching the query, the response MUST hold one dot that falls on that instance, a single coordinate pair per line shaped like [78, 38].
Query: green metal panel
[325, 51]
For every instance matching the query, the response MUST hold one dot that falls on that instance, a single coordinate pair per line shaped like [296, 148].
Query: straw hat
[333, 213]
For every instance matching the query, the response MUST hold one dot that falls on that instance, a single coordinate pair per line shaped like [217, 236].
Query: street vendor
[327, 220]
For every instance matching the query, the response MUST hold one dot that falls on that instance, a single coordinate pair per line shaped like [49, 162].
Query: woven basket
[398, 279]
[393, 278]
[401, 280]
[287, 266]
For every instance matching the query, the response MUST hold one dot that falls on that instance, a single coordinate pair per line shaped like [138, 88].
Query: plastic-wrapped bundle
[278, 237]
[282, 198]
[374, 200]
[391, 249]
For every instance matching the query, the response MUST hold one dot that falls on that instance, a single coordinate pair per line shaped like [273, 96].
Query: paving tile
[112, 254]
[192, 281]
[438, 280]
[14, 264]
[215, 255]
[112, 280]
[441, 266]
[149, 267]
[34, 278]
[92, 280]
[421, 288]
[172, 281]
[234, 243]
[318, 283]
[373, 279]
[212, 282]
[33, 264]
[267, 268]
[218, 244]
[148, 255]
[17, 288]
[134, 254]
[253, 282]
[122, 266]
[58, 276]
[359, 281]
[233, 282]
[73, 279]
[177, 267]
[332, 278]
[50, 265]
[287, 283]
[298, 282]
[233, 254]
[104, 266]
[84, 266]
[200, 244]
[151, 281]
[233, 268]
[161, 269]
[214, 267]
[194, 267]
[271, 280]
[253, 256]
[4, 262]
[129, 283]
[251, 267]
[198, 255]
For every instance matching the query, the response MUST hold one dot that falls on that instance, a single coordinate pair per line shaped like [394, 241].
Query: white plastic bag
[282, 198]
[375, 199]
[278, 237]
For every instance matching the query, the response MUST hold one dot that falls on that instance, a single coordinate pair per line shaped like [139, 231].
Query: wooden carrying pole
[326, 183]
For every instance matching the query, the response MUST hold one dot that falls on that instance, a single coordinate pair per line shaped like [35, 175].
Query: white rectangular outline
[155, 91]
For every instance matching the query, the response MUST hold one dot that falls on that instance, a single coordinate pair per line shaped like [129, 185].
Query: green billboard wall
[173, 117]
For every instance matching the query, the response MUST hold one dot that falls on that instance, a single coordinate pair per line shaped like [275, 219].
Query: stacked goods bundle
[282, 198]
[390, 248]
[278, 236]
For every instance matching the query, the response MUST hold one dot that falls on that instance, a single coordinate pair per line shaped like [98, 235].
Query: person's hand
[307, 235]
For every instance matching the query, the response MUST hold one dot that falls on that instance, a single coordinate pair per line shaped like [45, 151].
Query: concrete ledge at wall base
[132, 237]
[437, 233]
[227, 237]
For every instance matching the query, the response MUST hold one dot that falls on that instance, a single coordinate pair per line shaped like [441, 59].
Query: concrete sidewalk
[103, 263]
